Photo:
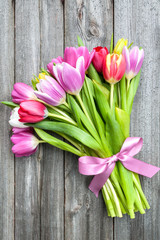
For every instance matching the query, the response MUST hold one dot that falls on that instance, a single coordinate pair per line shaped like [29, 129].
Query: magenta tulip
[50, 91]
[25, 143]
[54, 61]
[134, 60]
[70, 78]
[71, 54]
[22, 92]
[32, 112]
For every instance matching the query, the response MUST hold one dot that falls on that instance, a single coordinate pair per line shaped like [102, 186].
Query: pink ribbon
[103, 167]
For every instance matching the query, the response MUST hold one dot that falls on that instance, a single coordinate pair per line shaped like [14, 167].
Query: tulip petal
[70, 56]
[133, 58]
[32, 108]
[72, 80]
[80, 66]
[125, 53]
[140, 61]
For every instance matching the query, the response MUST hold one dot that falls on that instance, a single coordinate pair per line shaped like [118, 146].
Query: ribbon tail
[99, 180]
[140, 167]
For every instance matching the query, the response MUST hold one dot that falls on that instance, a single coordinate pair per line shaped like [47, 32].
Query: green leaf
[34, 82]
[132, 91]
[10, 104]
[114, 134]
[111, 44]
[93, 74]
[123, 91]
[69, 130]
[57, 142]
[102, 97]
[123, 119]
[80, 42]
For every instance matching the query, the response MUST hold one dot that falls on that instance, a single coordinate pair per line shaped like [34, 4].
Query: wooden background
[43, 196]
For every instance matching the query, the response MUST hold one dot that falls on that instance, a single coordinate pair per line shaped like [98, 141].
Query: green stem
[115, 198]
[111, 96]
[41, 141]
[128, 83]
[67, 119]
[138, 186]
[83, 108]
[108, 202]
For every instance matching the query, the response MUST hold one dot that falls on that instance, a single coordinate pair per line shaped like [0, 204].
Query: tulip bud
[50, 92]
[114, 68]
[22, 92]
[32, 112]
[119, 46]
[70, 78]
[134, 60]
[25, 143]
[14, 119]
[99, 55]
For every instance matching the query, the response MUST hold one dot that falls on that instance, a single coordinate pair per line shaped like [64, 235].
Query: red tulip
[99, 55]
[114, 68]
[32, 112]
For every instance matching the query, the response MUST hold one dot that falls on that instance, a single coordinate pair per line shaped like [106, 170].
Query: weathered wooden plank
[52, 172]
[139, 21]
[85, 215]
[27, 170]
[6, 157]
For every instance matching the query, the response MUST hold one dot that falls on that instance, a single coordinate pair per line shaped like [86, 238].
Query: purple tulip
[70, 78]
[54, 60]
[134, 60]
[71, 54]
[16, 130]
[22, 92]
[50, 91]
[25, 143]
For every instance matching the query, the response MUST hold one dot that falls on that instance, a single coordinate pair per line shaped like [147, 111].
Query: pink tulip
[134, 60]
[16, 130]
[32, 112]
[70, 78]
[25, 143]
[50, 91]
[71, 54]
[98, 59]
[22, 92]
[54, 60]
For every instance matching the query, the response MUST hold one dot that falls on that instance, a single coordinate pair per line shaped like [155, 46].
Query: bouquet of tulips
[86, 97]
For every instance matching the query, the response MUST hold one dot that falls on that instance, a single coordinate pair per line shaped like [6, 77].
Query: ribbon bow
[103, 167]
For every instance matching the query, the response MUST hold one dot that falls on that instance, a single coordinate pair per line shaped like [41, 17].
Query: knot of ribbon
[103, 167]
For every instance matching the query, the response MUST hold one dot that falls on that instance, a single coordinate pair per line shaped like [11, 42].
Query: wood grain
[140, 22]
[6, 157]
[43, 196]
[52, 162]
[27, 169]
[85, 215]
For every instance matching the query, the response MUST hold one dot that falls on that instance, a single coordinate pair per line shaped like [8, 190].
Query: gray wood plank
[85, 215]
[6, 157]
[140, 22]
[27, 169]
[52, 171]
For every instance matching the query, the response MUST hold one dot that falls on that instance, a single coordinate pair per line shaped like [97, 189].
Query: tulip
[50, 91]
[14, 119]
[25, 143]
[134, 60]
[22, 92]
[32, 112]
[54, 61]
[119, 46]
[71, 54]
[114, 68]
[70, 78]
[20, 130]
[99, 55]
